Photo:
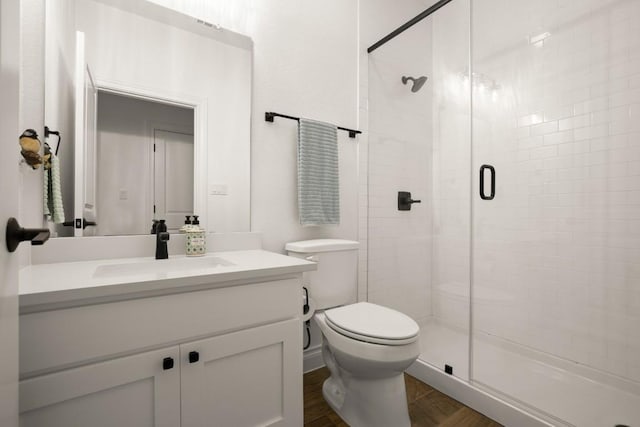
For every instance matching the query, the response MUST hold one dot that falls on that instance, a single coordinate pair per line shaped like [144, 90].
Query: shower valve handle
[405, 201]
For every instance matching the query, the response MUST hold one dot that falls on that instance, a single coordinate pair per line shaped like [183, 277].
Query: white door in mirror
[86, 101]
[173, 177]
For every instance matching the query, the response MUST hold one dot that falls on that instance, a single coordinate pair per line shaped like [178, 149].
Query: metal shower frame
[401, 29]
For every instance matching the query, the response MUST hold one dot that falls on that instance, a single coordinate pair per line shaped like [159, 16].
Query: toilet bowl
[365, 346]
[366, 387]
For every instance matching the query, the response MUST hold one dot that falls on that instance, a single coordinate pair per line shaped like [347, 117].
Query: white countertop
[68, 284]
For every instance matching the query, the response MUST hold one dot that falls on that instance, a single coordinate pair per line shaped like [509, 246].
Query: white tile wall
[451, 172]
[562, 237]
[556, 253]
[398, 158]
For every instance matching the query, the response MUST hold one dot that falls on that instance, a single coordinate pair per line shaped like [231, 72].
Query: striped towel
[53, 208]
[318, 185]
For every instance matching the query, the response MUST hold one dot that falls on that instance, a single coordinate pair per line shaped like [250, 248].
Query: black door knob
[194, 356]
[16, 234]
[167, 363]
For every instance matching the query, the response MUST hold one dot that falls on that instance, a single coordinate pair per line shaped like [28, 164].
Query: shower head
[417, 83]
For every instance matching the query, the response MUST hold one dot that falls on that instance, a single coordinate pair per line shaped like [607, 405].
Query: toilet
[365, 346]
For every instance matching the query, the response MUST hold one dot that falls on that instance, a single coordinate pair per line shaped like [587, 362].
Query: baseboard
[475, 398]
[312, 359]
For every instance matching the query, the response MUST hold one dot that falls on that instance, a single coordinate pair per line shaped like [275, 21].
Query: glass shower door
[399, 160]
[445, 337]
[418, 259]
[555, 252]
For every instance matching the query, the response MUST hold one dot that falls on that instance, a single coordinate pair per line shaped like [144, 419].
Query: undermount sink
[164, 266]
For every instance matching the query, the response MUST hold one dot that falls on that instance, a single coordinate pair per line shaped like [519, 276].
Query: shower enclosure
[522, 261]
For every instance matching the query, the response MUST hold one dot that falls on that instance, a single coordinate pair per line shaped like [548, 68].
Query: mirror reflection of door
[132, 178]
[173, 173]
[85, 141]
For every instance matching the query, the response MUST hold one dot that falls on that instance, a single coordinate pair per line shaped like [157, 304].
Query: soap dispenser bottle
[187, 224]
[196, 239]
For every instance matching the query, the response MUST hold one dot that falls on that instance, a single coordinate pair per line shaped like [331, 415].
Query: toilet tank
[335, 282]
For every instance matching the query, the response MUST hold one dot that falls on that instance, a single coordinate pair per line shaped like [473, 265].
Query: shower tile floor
[571, 397]
[427, 406]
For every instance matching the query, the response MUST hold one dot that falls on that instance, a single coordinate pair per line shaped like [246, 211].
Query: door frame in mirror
[200, 149]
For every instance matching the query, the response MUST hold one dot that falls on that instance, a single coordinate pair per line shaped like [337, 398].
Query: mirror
[125, 76]
[146, 164]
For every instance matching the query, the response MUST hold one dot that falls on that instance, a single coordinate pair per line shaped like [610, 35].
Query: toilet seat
[372, 323]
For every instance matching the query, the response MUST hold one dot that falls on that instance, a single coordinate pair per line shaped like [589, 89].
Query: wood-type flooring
[427, 406]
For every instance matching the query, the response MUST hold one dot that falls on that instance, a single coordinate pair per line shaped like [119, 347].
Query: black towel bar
[268, 117]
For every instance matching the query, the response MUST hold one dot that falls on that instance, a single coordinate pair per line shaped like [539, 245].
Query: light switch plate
[218, 189]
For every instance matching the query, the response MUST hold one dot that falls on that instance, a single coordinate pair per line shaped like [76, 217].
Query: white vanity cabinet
[225, 356]
[127, 391]
[243, 379]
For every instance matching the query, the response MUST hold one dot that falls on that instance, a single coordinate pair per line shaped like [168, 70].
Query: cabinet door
[247, 378]
[129, 391]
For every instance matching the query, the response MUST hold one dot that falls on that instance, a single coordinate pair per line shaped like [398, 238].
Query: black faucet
[162, 236]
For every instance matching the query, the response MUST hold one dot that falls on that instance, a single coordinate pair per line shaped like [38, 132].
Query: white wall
[125, 161]
[305, 64]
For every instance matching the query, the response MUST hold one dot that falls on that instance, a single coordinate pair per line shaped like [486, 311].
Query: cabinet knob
[167, 363]
[194, 356]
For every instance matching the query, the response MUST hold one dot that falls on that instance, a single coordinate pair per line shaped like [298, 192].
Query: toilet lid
[373, 323]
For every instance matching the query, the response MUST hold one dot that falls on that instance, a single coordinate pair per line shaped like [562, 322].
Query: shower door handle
[493, 182]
